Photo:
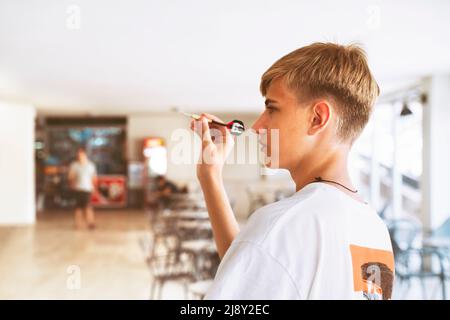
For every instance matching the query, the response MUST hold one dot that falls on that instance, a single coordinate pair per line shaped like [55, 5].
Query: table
[198, 225]
[190, 215]
[442, 243]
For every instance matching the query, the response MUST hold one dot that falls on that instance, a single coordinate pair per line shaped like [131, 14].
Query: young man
[83, 179]
[324, 242]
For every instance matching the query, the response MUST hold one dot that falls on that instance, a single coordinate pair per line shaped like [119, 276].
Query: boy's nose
[258, 125]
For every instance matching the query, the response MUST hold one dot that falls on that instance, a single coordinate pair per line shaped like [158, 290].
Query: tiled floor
[44, 261]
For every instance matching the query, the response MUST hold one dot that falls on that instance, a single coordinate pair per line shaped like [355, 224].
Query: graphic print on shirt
[373, 272]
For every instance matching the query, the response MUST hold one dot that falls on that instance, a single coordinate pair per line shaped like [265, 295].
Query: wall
[436, 152]
[17, 205]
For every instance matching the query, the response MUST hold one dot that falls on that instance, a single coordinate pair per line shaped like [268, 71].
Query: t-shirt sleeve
[248, 272]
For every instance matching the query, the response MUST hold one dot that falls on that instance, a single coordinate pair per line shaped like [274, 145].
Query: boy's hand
[217, 143]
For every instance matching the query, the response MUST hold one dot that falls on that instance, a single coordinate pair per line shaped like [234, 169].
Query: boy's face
[285, 114]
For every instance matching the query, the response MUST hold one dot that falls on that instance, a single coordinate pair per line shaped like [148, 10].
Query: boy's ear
[320, 117]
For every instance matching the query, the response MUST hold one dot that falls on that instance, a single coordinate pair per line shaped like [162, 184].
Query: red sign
[111, 191]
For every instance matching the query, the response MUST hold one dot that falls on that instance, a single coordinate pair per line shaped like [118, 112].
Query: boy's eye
[270, 110]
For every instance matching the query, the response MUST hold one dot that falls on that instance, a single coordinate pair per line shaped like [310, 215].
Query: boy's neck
[332, 166]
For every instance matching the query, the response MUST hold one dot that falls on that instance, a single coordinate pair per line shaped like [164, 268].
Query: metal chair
[412, 261]
[170, 263]
[166, 260]
[197, 290]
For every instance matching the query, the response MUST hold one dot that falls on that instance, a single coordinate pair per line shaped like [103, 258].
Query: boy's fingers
[222, 129]
[206, 134]
[212, 117]
[197, 127]
[203, 128]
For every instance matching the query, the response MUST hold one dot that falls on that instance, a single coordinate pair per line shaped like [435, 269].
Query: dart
[236, 127]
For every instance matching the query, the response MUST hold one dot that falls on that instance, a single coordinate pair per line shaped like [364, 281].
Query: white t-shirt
[317, 244]
[83, 174]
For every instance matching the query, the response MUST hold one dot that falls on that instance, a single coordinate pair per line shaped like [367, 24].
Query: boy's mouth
[262, 146]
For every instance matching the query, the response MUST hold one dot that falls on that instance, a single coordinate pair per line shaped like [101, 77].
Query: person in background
[83, 179]
[165, 189]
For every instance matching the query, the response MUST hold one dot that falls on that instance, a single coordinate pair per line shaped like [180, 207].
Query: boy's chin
[269, 164]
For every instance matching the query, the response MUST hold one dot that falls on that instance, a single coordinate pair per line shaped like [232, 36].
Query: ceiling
[151, 56]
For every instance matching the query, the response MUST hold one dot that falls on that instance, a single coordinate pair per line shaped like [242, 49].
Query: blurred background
[111, 77]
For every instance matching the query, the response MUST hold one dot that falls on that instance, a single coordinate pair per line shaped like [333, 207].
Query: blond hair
[328, 70]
